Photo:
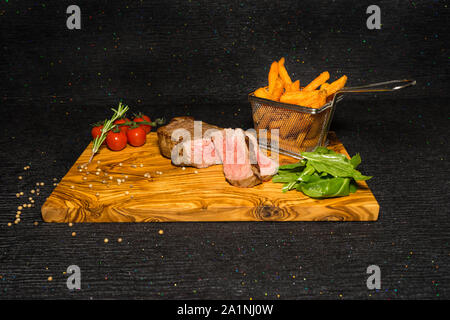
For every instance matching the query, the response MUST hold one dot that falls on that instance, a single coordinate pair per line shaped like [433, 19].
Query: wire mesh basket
[299, 128]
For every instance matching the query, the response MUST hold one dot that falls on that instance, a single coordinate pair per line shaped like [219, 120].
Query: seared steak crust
[165, 133]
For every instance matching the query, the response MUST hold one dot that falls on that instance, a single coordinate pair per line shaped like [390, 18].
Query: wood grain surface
[139, 185]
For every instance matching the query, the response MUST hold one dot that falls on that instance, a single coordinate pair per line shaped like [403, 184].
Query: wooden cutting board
[174, 194]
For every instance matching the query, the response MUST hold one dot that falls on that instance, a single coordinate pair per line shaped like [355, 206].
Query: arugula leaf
[322, 173]
[309, 170]
[335, 164]
[303, 176]
[288, 186]
[355, 160]
[286, 177]
[358, 176]
[335, 187]
[324, 150]
[325, 156]
[292, 166]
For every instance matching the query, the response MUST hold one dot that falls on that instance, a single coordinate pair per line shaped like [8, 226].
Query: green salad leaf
[286, 177]
[355, 160]
[335, 164]
[292, 166]
[327, 188]
[322, 173]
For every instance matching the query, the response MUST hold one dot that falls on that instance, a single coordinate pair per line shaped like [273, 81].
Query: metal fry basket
[299, 128]
[303, 128]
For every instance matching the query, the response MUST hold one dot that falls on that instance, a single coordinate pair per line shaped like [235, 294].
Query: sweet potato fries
[281, 88]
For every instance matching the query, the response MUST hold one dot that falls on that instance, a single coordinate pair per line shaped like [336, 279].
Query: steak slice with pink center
[232, 147]
[199, 153]
[267, 166]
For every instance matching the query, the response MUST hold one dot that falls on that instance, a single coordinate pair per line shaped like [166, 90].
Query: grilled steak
[235, 154]
[244, 164]
[165, 141]
[267, 166]
[199, 153]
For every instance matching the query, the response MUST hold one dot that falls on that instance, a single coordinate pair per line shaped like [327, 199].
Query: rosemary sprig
[155, 123]
[107, 126]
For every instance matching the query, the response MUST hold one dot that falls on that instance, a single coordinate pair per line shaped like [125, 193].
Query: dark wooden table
[202, 59]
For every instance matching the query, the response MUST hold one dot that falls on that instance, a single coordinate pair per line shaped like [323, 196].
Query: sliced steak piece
[267, 166]
[166, 144]
[232, 146]
[199, 153]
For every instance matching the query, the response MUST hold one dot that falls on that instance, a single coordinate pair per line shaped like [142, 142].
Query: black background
[202, 58]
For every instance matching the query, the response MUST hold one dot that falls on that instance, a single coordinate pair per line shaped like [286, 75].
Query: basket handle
[380, 86]
[374, 87]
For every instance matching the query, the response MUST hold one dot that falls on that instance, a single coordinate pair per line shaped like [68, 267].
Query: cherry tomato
[116, 141]
[124, 129]
[140, 118]
[96, 131]
[136, 136]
